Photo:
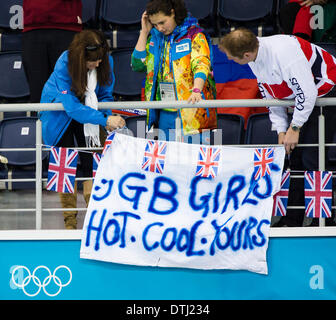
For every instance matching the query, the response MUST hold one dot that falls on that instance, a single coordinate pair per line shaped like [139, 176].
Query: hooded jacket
[190, 56]
[58, 90]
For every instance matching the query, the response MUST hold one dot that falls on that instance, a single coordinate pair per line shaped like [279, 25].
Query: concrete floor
[24, 199]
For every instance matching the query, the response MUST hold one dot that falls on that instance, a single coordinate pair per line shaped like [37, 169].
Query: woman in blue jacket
[83, 76]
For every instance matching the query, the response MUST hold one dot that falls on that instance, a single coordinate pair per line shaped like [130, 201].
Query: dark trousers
[306, 158]
[74, 136]
[41, 49]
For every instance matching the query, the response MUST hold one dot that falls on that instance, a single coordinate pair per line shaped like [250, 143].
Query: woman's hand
[195, 97]
[196, 93]
[114, 122]
[146, 25]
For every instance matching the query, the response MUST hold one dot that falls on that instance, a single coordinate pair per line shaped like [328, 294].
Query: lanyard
[163, 55]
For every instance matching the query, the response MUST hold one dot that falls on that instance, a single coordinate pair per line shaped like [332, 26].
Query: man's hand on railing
[289, 139]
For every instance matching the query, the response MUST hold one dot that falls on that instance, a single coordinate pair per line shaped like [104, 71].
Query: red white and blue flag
[95, 161]
[62, 170]
[318, 193]
[208, 162]
[263, 159]
[280, 199]
[154, 156]
[108, 142]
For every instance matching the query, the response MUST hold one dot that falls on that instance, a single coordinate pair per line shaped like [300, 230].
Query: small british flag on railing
[62, 170]
[280, 199]
[108, 142]
[263, 159]
[208, 162]
[154, 156]
[318, 193]
[95, 162]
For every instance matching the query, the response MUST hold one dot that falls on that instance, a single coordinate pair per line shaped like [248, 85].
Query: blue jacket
[58, 89]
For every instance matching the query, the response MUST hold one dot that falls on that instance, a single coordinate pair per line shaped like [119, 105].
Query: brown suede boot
[87, 188]
[69, 200]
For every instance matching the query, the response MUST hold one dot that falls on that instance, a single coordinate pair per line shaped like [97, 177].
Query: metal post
[38, 174]
[178, 129]
[321, 148]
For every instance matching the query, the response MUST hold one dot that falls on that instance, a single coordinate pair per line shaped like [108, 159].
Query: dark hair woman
[175, 53]
[83, 76]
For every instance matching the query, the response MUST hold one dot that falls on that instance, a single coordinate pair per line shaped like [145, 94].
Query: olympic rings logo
[27, 276]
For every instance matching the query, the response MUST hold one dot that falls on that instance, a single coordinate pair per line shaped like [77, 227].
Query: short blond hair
[238, 42]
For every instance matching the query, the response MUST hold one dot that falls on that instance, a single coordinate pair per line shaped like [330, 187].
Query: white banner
[171, 204]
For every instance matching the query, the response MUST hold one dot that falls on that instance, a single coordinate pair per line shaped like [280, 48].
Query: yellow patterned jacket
[179, 59]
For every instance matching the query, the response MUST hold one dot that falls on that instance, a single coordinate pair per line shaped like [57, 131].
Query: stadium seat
[204, 11]
[89, 9]
[127, 81]
[121, 21]
[10, 10]
[259, 15]
[122, 12]
[13, 81]
[258, 130]
[122, 38]
[230, 130]
[10, 42]
[137, 124]
[19, 133]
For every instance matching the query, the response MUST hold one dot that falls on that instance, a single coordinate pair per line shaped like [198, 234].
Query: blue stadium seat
[258, 15]
[128, 82]
[204, 11]
[10, 42]
[8, 10]
[230, 130]
[13, 81]
[20, 133]
[137, 124]
[122, 12]
[121, 21]
[122, 38]
[89, 9]
[258, 130]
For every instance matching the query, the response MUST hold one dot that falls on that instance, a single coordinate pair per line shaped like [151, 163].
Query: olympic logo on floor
[21, 278]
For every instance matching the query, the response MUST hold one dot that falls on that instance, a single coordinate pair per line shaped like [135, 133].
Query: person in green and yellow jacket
[175, 53]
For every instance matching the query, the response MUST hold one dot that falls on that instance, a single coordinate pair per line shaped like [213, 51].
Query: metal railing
[320, 102]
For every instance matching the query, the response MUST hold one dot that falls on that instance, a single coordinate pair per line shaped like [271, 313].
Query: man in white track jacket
[288, 67]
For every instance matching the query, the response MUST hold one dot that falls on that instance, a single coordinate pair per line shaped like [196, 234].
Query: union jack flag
[62, 170]
[208, 162]
[318, 193]
[95, 161]
[154, 156]
[263, 159]
[280, 199]
[108, 142]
